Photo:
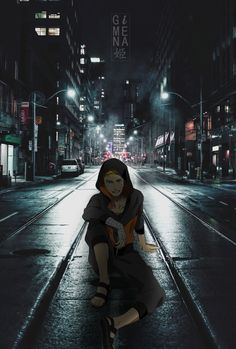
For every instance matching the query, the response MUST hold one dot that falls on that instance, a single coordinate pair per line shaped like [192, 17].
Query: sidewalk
[172, 173]
[21, 182]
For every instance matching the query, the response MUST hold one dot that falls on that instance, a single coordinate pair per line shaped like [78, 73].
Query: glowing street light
[165, 95]
[90, 118]
[69, 92]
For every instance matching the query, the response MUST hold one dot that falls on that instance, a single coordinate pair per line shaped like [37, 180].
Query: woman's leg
[150, 295]
[127, 318]
[101, 252]
[98, 243]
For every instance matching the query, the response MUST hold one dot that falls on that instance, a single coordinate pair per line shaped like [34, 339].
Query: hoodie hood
[119, 167]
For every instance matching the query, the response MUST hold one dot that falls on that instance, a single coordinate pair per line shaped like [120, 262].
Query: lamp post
[165, 96]
[70, 93]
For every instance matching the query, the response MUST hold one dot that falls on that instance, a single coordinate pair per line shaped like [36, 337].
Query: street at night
[117, 174]
[195, 265]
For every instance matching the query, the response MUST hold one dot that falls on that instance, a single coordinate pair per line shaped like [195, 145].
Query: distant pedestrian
[113, 215]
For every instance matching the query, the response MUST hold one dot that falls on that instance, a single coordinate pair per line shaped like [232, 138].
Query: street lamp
[70, 93]
[165, 95]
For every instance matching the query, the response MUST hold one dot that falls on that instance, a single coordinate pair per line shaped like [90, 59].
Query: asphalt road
[192, 223]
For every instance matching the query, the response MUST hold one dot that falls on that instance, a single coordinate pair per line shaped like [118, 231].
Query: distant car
[81, 165]
[70, 166]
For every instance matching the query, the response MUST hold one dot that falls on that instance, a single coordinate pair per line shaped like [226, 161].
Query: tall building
[10, 88]
[194, 60]
[118, 139]
[221, 88]
[49, 66]
[130, 100]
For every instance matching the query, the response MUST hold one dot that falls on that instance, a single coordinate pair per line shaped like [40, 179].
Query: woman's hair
[115, 166]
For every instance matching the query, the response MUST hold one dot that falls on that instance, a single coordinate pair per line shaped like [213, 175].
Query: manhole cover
[31, 252]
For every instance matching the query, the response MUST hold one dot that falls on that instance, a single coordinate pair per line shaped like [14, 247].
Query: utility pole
[33, 136]
[201, 132]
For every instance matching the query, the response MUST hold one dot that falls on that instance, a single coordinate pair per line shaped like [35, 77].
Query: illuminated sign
[11, 139]
[215, 148]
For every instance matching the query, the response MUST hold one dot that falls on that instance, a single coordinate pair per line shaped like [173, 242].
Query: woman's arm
[139, 228]
[93, 210]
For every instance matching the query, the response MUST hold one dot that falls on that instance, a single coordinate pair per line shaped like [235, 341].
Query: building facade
[39, 51]
[10, 89]
[194, 60]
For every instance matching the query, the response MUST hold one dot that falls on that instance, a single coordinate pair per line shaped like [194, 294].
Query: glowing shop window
[54, 15]
[40, 15]
[54, 31]
[41, 31]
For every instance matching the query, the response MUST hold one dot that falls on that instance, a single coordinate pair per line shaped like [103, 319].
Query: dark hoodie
[98, 206]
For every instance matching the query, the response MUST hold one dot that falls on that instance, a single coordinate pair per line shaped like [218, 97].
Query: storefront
[9, 153]
[164, 152]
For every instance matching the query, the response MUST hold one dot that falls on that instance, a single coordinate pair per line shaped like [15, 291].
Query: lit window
[218, 108]
[40, 15]
[41, 31]
[95, 60]
[226, 108]
[53, 31]
[54, 15]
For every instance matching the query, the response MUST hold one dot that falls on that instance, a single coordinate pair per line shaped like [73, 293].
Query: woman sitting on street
[113, 215]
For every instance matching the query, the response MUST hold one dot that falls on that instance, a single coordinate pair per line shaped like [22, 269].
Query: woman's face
[114, 184]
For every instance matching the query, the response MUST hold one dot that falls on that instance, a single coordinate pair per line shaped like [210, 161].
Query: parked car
[81, 165]
[70, 166]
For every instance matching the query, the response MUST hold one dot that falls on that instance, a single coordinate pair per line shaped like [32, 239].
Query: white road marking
[10, 215]
[224, 203]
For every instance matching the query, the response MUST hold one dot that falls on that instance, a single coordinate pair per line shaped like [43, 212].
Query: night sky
[96, 32]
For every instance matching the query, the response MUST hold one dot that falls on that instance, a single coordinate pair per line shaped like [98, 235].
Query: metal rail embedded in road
[184, 294]
[201, 220]
[33, 321]
[43, 212]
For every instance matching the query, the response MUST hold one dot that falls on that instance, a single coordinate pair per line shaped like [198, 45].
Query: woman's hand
[149, 247]
[120, 244]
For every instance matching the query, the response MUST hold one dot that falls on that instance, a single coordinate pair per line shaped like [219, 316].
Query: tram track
[33, 321]
[190, 212]
[40, 214]
[182, 289]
